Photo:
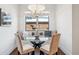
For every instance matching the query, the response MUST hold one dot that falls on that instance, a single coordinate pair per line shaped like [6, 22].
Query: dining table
[36, 42]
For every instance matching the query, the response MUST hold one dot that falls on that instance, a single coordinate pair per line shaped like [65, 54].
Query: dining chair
[23, 48]
[52, 47]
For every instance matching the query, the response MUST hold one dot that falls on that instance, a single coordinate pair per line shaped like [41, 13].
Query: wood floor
[15, 52]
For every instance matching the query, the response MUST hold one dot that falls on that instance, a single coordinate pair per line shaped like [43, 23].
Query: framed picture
[0, 16]
[5, 19]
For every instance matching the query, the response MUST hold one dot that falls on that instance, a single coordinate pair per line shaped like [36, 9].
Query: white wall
[7, 38]
[23, 8]
[64, 26]
[62, 18]
[75, 27]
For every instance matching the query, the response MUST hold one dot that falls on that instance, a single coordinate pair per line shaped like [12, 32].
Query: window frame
[36, 23]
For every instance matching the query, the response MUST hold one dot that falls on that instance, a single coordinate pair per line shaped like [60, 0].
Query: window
[39, 23]
[43, 23]
[30, 23]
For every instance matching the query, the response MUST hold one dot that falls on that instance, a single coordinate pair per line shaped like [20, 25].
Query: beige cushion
[46, 47]
[27, 46]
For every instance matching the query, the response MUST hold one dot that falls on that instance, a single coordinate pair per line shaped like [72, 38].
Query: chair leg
[30, 53]
[56, 53]
[33, 52]
[19, 53]
[41, 53]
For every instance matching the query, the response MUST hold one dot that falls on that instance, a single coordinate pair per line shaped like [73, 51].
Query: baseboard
[15, 49]
[65, 50]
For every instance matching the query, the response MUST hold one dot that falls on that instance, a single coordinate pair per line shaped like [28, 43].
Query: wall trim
[65, 50]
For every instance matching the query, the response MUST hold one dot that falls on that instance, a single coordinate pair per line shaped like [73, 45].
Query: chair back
[19, 42]
[54, 43]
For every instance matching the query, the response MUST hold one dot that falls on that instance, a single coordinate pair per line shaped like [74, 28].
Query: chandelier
[36, 10]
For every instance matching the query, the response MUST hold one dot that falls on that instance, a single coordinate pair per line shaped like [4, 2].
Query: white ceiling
[49, 7]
